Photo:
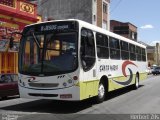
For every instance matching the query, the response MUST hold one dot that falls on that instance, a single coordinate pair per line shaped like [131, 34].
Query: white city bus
[74, 60]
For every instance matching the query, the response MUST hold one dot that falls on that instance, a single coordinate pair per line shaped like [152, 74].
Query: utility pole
[157, 54]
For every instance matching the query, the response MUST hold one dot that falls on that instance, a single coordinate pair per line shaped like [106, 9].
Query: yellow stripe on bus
[90, 88]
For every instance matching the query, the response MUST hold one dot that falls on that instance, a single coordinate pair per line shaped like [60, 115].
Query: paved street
[126, 101]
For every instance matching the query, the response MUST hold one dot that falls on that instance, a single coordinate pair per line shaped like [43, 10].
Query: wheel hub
[137, 83]
[101, 91]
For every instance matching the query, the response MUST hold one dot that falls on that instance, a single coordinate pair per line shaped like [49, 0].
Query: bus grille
[43, 95]
[43, 85]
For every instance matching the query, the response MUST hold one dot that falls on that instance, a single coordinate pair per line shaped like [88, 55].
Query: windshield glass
[48, 53]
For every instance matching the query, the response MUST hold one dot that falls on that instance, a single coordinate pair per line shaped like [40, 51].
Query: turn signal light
[75, 78]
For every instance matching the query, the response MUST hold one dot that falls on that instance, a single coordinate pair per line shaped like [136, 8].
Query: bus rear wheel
[101, 92]
[136, 85]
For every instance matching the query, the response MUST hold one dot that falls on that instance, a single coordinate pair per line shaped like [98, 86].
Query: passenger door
[88, 61]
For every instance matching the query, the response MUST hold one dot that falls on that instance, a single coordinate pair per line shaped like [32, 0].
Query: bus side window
[114, 48]
[132, 51]
[138, 53]
[143, 54]
[102, 46]
[124, 50]
[87, 49]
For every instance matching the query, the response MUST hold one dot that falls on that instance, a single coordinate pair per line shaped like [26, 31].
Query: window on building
[105, 8]
[135, 36]
[121, 29]
[104, 24]
[10, 3]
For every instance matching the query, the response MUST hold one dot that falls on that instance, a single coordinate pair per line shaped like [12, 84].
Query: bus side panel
[130, 70]
[88, 89]
[113, 85]
[143, 66]
[143, 76]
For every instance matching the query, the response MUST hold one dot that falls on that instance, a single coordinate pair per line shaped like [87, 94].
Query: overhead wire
[118, 3]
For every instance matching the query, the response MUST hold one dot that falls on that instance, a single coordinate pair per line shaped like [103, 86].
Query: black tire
[136, 85]
[101, 92]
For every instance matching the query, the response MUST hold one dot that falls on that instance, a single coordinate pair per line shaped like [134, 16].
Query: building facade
[93, 11]
[153, 54]
[127, 29]
[14, 15]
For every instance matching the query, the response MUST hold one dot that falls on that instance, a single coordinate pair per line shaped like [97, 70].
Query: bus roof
[97, 29]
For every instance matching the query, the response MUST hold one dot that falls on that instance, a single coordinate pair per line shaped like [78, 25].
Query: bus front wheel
[101, 92]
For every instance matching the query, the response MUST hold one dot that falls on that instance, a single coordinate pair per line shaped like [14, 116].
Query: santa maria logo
[129, 80]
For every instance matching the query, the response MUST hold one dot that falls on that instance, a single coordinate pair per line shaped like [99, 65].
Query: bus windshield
[48, 53]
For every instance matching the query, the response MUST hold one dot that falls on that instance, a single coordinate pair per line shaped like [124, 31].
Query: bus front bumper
[68, 94]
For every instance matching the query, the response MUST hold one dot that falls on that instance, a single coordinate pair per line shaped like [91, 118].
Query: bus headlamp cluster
[64, 84]
[70, 81]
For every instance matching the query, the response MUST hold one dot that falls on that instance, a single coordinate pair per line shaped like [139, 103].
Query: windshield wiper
[35, 39]
[38, 44]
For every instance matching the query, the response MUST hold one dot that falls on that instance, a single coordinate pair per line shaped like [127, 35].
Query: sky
[144, 14]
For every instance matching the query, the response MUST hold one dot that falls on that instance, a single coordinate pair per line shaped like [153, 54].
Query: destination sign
[54, 26]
